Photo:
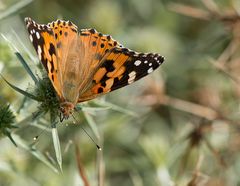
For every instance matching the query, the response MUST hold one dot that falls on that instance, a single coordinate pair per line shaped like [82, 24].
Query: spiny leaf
[7, 120]
[57, 147]
[116, 108]
[27, 68]
[14, 8]
[20, 90]
[8, 134]
[22, 144]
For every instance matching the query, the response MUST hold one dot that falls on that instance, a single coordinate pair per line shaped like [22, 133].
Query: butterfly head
[66, 109]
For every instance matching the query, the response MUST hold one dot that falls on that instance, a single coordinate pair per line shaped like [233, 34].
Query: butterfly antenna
[98, 147]
[35, 138]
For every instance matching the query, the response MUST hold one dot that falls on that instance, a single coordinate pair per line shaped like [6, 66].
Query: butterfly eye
[62, 109]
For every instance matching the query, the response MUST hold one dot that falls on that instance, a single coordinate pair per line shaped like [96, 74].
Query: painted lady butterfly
[83, 64]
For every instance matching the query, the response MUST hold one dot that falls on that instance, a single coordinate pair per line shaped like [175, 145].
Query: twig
[197, 174]
[211, 6]
[100, 168]
[228, 52]
[196, 109]
[222, 68]
[81, 170]
[189, 11]
[215, 153]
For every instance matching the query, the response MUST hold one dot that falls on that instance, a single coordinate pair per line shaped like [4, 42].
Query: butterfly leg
[61, 117]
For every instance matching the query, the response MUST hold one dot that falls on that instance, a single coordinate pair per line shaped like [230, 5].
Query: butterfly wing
[92, 63]
[42, 38]
[120, 67]
[69, 57]
[71, 69]
[53, 43]
[96, 45]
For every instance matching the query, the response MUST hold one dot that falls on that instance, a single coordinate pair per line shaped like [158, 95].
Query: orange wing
[120, 67]
[96, 45]
[52, 43]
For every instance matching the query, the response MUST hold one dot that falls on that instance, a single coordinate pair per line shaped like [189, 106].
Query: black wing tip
[161, 59]
[28, 20]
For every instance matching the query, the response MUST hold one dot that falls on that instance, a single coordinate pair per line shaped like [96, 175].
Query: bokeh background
[178, 126]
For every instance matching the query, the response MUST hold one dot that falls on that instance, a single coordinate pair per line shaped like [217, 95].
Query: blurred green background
[178, 126]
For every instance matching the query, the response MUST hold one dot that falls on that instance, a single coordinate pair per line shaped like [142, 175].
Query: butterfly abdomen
[70, 78]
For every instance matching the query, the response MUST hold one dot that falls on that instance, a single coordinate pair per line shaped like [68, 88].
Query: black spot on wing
[109, 38]
[74, 30]
[84, 34]
[52, 67]
[103, 83]
[52, 49]
[92, 31]
[108, 64]
[94, 43]
[100, 90]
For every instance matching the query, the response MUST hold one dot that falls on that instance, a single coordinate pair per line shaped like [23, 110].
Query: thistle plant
[48, 107]
[7, 122]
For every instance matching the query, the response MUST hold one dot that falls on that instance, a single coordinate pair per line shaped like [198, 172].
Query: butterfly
[83, 64]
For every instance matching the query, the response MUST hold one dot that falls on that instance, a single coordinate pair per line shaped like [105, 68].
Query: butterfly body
[85, 64]
[69, 79]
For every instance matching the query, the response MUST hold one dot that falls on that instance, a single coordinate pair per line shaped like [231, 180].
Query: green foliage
[43, 92]
[179, 126]
[7, 121]
[47, 99]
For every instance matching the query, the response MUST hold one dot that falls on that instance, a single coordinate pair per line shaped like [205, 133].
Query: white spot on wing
[132, 76]
[145, 61]
[31, 38]
[137, 63]
[150, 64]
[150, 70]
[37, 34]
[39, 51]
